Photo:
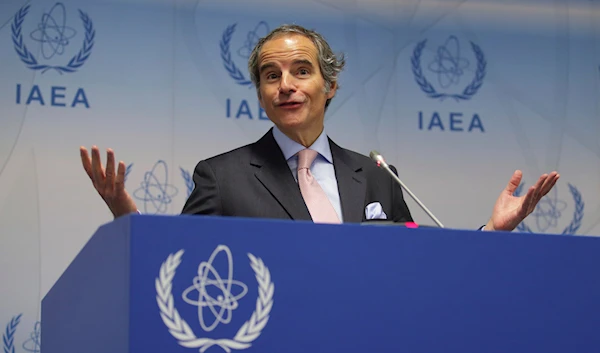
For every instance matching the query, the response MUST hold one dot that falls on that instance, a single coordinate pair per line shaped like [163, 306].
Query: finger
[86, 161]
[120, 179]
[528, 204]
[542, 190]
[555, 180]
[538, 188]
[514, 182]
[109, 186]
[97, 169]
[549, 183]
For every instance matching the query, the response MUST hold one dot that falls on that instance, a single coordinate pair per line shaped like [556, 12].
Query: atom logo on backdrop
[449, 73]
[60, 47]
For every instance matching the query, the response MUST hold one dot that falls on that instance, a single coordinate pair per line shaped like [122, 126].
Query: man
[294, 171]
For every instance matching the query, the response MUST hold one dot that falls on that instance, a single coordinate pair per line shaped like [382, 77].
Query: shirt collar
[290, 147]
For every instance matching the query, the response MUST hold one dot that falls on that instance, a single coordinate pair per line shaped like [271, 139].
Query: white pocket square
[375, 211]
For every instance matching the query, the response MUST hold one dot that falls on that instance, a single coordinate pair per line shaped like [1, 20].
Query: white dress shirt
[321, 169]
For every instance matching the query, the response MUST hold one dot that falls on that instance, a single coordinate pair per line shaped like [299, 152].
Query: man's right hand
[109, 185]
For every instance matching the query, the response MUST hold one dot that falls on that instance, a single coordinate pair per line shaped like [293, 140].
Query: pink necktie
[320, 208]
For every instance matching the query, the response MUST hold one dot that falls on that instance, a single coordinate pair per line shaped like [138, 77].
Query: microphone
[378, 158]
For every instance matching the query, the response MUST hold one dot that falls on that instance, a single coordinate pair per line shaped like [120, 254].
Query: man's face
[292, 89]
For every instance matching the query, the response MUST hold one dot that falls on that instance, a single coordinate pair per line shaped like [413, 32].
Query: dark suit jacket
[255, 181]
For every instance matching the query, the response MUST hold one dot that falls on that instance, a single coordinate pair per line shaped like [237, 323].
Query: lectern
[218, 284]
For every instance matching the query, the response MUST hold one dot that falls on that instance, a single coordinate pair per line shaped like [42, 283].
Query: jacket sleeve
[205, 198]
[399, 207]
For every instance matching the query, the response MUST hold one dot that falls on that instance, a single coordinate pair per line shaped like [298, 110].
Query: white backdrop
[456, 94]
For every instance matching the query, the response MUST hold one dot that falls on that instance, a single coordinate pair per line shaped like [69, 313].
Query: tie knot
[306, 158]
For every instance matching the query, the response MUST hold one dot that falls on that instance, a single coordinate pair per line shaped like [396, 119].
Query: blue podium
[213, 284]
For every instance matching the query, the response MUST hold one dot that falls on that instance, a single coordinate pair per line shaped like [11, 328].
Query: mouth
[290, 105]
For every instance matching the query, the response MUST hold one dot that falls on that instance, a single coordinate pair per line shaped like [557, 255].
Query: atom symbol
[225, 301]
[548, 211]
[448, 64]
[261, 30]
[156, 194]
[52, 32]
[33, 343]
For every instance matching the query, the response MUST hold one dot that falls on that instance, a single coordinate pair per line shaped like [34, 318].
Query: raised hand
[511, 210]
[109, 185]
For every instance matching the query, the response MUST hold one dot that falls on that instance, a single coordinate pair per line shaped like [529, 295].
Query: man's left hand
[511, 210]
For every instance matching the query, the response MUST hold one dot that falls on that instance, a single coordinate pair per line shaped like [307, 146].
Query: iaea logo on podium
[214, 309]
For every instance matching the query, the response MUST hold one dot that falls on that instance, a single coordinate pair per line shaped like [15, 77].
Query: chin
[291, 125]
[292, 121]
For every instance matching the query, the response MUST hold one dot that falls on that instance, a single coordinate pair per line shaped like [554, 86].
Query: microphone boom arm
[378, 158]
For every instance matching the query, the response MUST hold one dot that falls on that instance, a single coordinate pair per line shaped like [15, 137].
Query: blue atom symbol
[261, 30]
[154, 190]
[448, 64]
[33, 343]
[52, 32]
[548, 211]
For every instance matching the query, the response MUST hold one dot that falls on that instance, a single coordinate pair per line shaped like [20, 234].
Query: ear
[333, 89]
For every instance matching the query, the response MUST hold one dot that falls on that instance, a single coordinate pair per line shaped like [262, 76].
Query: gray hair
[330, 64]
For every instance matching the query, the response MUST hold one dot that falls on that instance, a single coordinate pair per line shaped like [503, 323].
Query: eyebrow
[296, 62]
[303, 62]
[265, 66]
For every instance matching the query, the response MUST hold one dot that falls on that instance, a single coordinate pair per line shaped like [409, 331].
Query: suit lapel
[273, 172]
[352, 185]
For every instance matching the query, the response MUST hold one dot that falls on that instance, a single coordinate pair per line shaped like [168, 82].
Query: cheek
[267, 96]
[263, 99]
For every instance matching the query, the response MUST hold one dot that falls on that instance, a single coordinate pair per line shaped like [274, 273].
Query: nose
[287, 84]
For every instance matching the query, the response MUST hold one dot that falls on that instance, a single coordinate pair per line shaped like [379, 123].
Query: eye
[303, 72]
[271, 76]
